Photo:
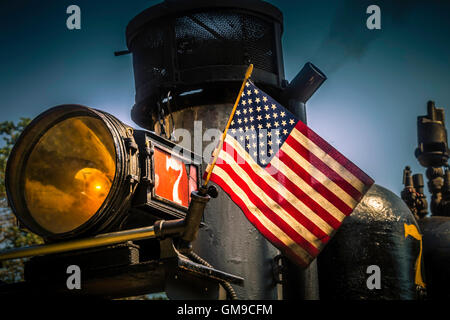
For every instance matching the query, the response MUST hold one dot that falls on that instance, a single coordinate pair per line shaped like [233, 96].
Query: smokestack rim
[180, 7]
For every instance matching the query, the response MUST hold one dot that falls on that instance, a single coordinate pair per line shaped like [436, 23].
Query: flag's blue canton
[260, 124]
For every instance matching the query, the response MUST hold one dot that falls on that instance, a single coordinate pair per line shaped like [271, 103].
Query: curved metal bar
[91, 242]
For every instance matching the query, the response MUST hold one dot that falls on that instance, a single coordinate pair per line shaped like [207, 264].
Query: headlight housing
[75, 170]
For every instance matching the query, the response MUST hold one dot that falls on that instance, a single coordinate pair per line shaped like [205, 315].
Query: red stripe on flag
[280, 200]
[316, 185]
[304, 197]
[332, 152]
[320, 165]
[272, 216]
[266, 233]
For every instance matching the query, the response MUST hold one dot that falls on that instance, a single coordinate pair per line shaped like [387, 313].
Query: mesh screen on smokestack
[180, 46]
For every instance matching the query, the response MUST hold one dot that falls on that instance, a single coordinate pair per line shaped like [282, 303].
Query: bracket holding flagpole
[248, 74]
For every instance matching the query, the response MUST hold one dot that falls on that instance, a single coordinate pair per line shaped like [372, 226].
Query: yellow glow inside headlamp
[69, 173]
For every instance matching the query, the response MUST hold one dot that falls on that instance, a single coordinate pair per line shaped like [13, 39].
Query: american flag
[291, 184]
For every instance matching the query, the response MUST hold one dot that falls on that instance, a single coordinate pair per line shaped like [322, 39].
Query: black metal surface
[226, 285]
[304, 85]
[53, 268]
[180, 46]
[433, 153]
[374, 234]
[194, 217]
[209, 272]
[116, 282]
[297, 284]
[173, 7]
[413, 193]
[127, 274]
[188, 287]
[438, 185]
[432, 150]
[436, 249]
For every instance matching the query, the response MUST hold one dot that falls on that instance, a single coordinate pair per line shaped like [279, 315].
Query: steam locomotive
[129, 211]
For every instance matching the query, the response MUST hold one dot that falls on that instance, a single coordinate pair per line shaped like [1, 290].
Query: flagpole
[248, 73]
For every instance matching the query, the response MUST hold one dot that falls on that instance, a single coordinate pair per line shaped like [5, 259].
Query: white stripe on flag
[319, 176]
[273, 228]
[329, 161]
[310, 191]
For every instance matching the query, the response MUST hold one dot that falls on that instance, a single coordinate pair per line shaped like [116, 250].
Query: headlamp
[77, 171]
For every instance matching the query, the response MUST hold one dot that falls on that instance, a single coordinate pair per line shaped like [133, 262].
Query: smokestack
[199, 51]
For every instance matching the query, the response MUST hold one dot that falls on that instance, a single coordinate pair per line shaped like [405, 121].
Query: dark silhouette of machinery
[432, 153]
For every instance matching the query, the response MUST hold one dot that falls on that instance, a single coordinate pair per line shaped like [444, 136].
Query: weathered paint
[374, 234]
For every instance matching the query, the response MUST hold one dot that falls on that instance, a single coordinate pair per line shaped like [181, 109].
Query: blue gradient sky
[378, 81]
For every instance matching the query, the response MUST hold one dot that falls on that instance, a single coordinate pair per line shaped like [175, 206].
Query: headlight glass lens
[69, 173]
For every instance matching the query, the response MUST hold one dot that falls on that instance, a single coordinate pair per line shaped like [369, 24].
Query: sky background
[379, 81]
